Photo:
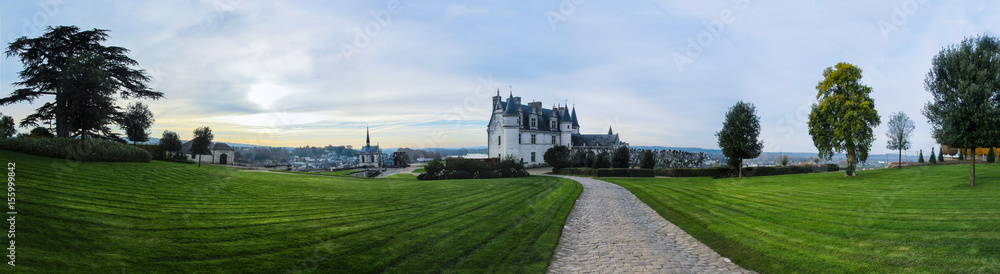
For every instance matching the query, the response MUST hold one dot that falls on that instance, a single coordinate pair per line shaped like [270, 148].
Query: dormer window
[534, 122]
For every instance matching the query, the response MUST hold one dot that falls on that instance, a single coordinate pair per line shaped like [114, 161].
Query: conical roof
[575, 122]
[512, 107]
[565, 117]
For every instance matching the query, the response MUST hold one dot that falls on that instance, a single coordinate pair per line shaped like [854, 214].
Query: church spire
[609, 131]
[368, 138]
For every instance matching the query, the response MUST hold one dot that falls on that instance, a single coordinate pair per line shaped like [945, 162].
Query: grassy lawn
[419, 170]
[169, 217]
[922, 219]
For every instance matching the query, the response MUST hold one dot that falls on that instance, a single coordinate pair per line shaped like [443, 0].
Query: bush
[86, 150]
[156, 151]
[832, 167]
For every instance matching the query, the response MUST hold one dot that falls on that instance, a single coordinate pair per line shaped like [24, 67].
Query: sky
[660, 73]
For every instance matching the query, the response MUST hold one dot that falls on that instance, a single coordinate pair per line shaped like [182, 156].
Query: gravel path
[609, 230]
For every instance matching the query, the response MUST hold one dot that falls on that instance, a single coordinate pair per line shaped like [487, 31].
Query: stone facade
[527, 131]
[219, 153]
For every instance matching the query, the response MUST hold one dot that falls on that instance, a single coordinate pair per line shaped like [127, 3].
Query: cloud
[460, 9]
[277, 72]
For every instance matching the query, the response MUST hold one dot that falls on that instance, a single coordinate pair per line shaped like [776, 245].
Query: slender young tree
[933, 159]
[137, 119]
[620, 159]
[202, 139]
[991, 157]
[921, 159]
[47, 68]
[170, 142]
[900, 129]
[648, 161]
[845, 116]
[7, 127]
[941, 156]
[964, 81]
[738, 137]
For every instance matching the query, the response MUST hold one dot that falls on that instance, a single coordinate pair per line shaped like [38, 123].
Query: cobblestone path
[609, 230]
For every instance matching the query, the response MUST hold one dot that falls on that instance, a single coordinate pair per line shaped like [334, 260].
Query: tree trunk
[900, 164]
[62, 124]
[199, 160]
[741, 169]
[972, 173]
[850, 162]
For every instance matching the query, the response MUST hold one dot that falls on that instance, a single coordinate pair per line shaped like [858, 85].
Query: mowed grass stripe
[168, 217]
[921, 219]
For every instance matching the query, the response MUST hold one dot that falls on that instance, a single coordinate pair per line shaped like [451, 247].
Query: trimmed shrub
[86, 150]
[832, 167]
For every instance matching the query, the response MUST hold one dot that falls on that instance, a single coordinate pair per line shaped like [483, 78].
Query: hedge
[609, 172]
[461, 168]
[87, 150]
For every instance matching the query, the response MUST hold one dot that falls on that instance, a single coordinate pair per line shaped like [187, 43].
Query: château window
[498, 140]
[534, 122]
[532, 157]
[532, 142]
[553, 125]
[519, 138]
[553, 139]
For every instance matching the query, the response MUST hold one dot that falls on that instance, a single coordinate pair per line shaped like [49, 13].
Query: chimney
[536, 107]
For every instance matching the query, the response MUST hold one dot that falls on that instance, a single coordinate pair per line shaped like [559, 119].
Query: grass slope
[923, 219]
[169, 217]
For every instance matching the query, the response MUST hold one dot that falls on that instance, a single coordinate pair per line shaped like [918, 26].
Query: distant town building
[370, 156]
[527, 131]
[219, 153]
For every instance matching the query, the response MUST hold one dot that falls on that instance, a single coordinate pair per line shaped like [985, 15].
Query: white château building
[370, 156]
[527, 131]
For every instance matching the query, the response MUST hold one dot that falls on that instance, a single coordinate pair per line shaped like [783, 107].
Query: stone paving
[609, 230]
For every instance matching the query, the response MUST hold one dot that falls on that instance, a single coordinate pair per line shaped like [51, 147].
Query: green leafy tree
[7, 127]
[90, 107]
[965, 82]
[900, 129]
[603, 160]
[738, 137]
[136, 120]
[844, 119]
[170, 142]
[991, 157]
[620, 158]
[932, 159]
[202, 139]
[961, 155]
[784, 160]
[920, 160]
[557, 157]
[648, 161]
[41, 132]
[48, 71]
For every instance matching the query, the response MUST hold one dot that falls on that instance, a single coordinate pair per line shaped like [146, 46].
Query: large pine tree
[47, 66]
